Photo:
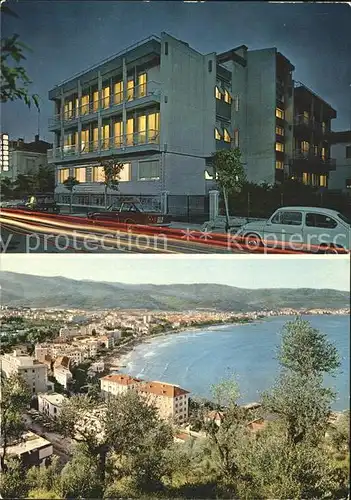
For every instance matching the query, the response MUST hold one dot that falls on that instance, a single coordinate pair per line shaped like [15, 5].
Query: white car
[310, 229]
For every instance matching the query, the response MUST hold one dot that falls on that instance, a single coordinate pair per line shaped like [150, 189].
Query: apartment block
[162, 109]
[117, 384]
[340, 178]
[32, 371]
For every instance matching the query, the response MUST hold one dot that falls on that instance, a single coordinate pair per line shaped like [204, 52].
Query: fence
[84, 202]
[188, 208]
[262, 204]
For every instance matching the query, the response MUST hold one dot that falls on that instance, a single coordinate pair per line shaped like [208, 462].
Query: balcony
[303, 123]
[307, 161]
[137, 96]
[130, 143]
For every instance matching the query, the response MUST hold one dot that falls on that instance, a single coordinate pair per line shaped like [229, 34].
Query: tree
[23, 184]
[307, 351]
[14, 81]
[45, 482]
[15, 398]
[44, 179]
[112, 169]
[230, 174]
[69, 184]
[12, 484]
[6, 188]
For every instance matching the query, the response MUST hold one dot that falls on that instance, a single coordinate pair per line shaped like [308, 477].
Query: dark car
[131, 212]
[41, 203]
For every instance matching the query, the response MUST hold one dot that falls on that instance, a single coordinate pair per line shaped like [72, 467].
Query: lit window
[217, 134]
[125, 173]
[106, 97]
[279, 131]
[279, 146]
[279, 165]
[236, 138]
[305, 146]
[85, 105]
[226, 136]
[130, 90]
[218, 93]
[105, 136]
[153, 126]
[118, 134]
[95, 100]
[324, 154]
[149, 170]
[306, 178]
[142, 85]
[68, 110]
[323, 180]
[130, 132]
[118, 92]
[63, 174]
[80, 174]
[142, 129]
[279, 113]
[95, 145]
[227, 97]
[306, 116]
[324, 127]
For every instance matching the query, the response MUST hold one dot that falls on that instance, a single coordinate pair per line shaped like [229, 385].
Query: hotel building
[162, 108]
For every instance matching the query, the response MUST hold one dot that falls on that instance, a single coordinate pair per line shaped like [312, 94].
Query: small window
[348, 151]
[218, 136]
[320, 220]
[279, 131]
[218, 93]
[166, 48]
[279, 113]
[149, 170]
[226, 136]
[227, 97]
[210, 66]
[279, 165]
[279, 146]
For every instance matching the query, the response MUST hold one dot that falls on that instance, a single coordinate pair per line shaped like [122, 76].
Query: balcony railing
[148, 89]
[310, 156]
[311, 123]
[105, 145]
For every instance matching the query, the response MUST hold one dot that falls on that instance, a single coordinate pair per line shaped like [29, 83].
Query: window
[279, 113]
[226, 136]
[130, 132]
[279, 131]
[218, 136]
[98, 174]
[118, 134]
[236, 103]
[68, 110]
[315, 150]
[142, 85]
[305, 146]
[227, 97]
[30, 164]
[105, 136]
[118, 92]
[348, 151]
[149, 170]
[324, 127]
[320, 220]
[95, 139]
[323, 180]
[324, 154]
[210, 66]
[63, 174]
[306, 117]
[236, 138]
[80, 174]
[85, 105]
[166, 48]
[288, 218]
[306, 178]
[153, 126]
[106, 97]
[142, 129]
[279, 146]
[95, 100]
[130, 90]
[279, 165]
[218, 93]
[125, 173]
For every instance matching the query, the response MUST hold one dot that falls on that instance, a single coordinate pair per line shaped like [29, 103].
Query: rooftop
[162, 389]
[121, 379]
[30, 443]
[53, 398]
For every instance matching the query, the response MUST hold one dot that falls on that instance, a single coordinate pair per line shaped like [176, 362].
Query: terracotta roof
[163, 389]
[121, 379]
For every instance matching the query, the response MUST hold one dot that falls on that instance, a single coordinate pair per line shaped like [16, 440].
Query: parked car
[313, 229]
[131, 212]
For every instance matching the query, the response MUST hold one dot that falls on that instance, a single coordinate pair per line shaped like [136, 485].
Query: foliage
[45, 480]
[14, 81]
[70, 182]
[112, 169]
[80, 478]
[12, 484]
[226, 393]
[306, 351]
[15, 398]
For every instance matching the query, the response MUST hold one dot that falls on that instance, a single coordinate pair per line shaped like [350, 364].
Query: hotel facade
[162, 109]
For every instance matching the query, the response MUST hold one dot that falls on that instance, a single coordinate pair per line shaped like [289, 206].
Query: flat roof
[340, 137]
[30, 442]
[54, 398]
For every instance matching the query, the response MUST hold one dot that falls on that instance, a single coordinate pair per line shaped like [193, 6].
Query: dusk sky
[245, 271]
[69, 36]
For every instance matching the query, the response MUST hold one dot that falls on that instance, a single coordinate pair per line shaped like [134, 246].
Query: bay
[197, 359]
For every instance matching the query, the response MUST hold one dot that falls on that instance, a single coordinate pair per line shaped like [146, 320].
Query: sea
[197, 359]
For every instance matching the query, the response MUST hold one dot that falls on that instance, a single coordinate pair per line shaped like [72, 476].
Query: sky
[66, 37]
[240, 271]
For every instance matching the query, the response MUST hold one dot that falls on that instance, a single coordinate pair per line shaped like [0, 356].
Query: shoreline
[114, 360]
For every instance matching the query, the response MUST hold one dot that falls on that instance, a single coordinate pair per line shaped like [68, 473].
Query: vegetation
[229, 173]
[112, 169]
[287, 448]
[14, 81]
[69, 184]
[42, 181]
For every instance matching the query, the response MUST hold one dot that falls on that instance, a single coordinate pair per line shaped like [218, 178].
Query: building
[311, 160]
[25, 157]
[171, 400]
[32, 450]
[50, 404]
[340, 178]
[31, 370]
[117, 384]
[62, 372]
[162, 109]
